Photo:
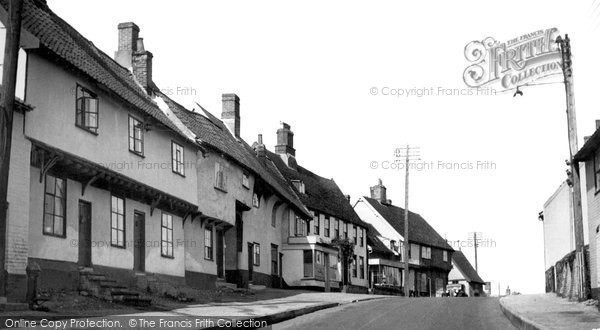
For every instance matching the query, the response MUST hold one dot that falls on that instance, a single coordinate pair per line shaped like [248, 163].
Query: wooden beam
[155, 204]
[47, 166]
[86, 184]
[188, 213]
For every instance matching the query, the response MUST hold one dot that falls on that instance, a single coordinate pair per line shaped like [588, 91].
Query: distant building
[311, 258]
[464, 274]
[559, 235]
[558, 225]
[430, 256]
[385, 264]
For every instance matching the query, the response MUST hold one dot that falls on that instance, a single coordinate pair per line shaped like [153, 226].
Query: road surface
[407, 313]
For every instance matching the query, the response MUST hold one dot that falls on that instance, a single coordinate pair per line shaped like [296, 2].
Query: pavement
[269, 311]
[547, 311]
[407, 313]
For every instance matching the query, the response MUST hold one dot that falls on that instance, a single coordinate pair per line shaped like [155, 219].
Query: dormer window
[393, 246]
[299, 186]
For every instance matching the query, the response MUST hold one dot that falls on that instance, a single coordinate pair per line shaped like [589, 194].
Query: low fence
[562, 277]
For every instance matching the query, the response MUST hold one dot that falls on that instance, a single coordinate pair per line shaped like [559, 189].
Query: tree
[346, 250]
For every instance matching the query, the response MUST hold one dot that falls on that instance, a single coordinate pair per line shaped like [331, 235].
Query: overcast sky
[313, 64]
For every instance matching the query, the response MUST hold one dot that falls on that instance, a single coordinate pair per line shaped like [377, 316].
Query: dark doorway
[220, 273]
[280, 270]
[250, 261]
[139, 233]
[85, 233]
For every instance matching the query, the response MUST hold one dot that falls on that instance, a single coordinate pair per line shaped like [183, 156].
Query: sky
[315, 65]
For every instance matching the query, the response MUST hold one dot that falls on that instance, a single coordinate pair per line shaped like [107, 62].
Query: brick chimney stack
[128, 36]
[132, 54]
[260, 147]
[379, 192]
[285, 141]
[231, 113]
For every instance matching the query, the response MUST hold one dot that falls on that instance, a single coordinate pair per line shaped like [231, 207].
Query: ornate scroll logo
[513, 63]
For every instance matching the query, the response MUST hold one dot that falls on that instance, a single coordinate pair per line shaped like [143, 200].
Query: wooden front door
[139, 238]
[220, 272]
[250, 261]
[85, 233]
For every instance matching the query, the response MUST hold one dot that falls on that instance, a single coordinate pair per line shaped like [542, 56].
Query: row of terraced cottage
[110, 175]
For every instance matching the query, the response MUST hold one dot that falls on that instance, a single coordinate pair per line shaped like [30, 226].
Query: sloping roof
[321, 194]
[465, 268]
[419, 231]
[60, 39]
[376, 244]
[215, 135]
[586, 152]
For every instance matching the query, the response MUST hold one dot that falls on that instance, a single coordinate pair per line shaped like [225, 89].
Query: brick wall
[18, 198]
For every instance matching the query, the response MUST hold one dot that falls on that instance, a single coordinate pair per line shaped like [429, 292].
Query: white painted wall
[559, 238]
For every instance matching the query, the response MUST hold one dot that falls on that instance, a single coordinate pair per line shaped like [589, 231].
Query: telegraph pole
[407, 155]
[9, 81]
[565, 49]
[475, 246]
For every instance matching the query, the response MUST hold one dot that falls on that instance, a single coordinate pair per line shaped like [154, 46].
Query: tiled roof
[62, 40]
[213, 133]
[589, 148]
[375, 243]
[465, 268]
[419, 231]
[321, 194]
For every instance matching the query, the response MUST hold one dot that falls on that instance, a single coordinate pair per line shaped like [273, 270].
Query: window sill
[54, 235]
[207, 259]
[220, 189]
[168, 257]
[87, 130]
[180, 174]
[117, 246]
[139, 154]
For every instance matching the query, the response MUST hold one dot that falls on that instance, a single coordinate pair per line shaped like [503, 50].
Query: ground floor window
[54, 206]
[439, 284]
[361, 266]
[208, 243]
[166, 238]
[308, 263]
[117, 222]
[354, 266]
[256, 254]
[387, 275]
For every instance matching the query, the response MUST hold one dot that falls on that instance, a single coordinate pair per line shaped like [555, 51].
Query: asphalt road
[407, 313]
